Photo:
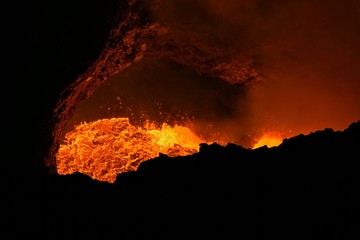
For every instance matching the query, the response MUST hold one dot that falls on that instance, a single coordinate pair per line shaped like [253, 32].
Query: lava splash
[269, 139]
[105, 148]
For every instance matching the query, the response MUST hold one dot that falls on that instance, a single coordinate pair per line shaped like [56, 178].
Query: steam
[311, 59]
[244, 66]
[307, 51]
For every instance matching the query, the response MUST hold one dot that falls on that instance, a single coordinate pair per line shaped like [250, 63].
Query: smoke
[311, 59]
[307, 52]
[290, 66]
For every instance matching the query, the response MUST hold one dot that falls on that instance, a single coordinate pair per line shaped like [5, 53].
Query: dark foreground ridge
[304, 189]
[307, 188]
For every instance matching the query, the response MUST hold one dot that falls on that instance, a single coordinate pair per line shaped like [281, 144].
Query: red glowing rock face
[135, 39]
[289, 84]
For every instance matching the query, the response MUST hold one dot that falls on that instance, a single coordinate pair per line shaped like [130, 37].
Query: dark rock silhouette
[307, 188]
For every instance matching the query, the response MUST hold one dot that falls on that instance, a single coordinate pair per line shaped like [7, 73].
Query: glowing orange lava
[102, 149]
[269, 139]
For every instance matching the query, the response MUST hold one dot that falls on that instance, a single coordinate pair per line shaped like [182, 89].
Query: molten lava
[105, 148]
[269, 139]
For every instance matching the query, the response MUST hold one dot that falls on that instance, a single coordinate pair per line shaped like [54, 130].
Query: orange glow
[270, 139]
[102, 149]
